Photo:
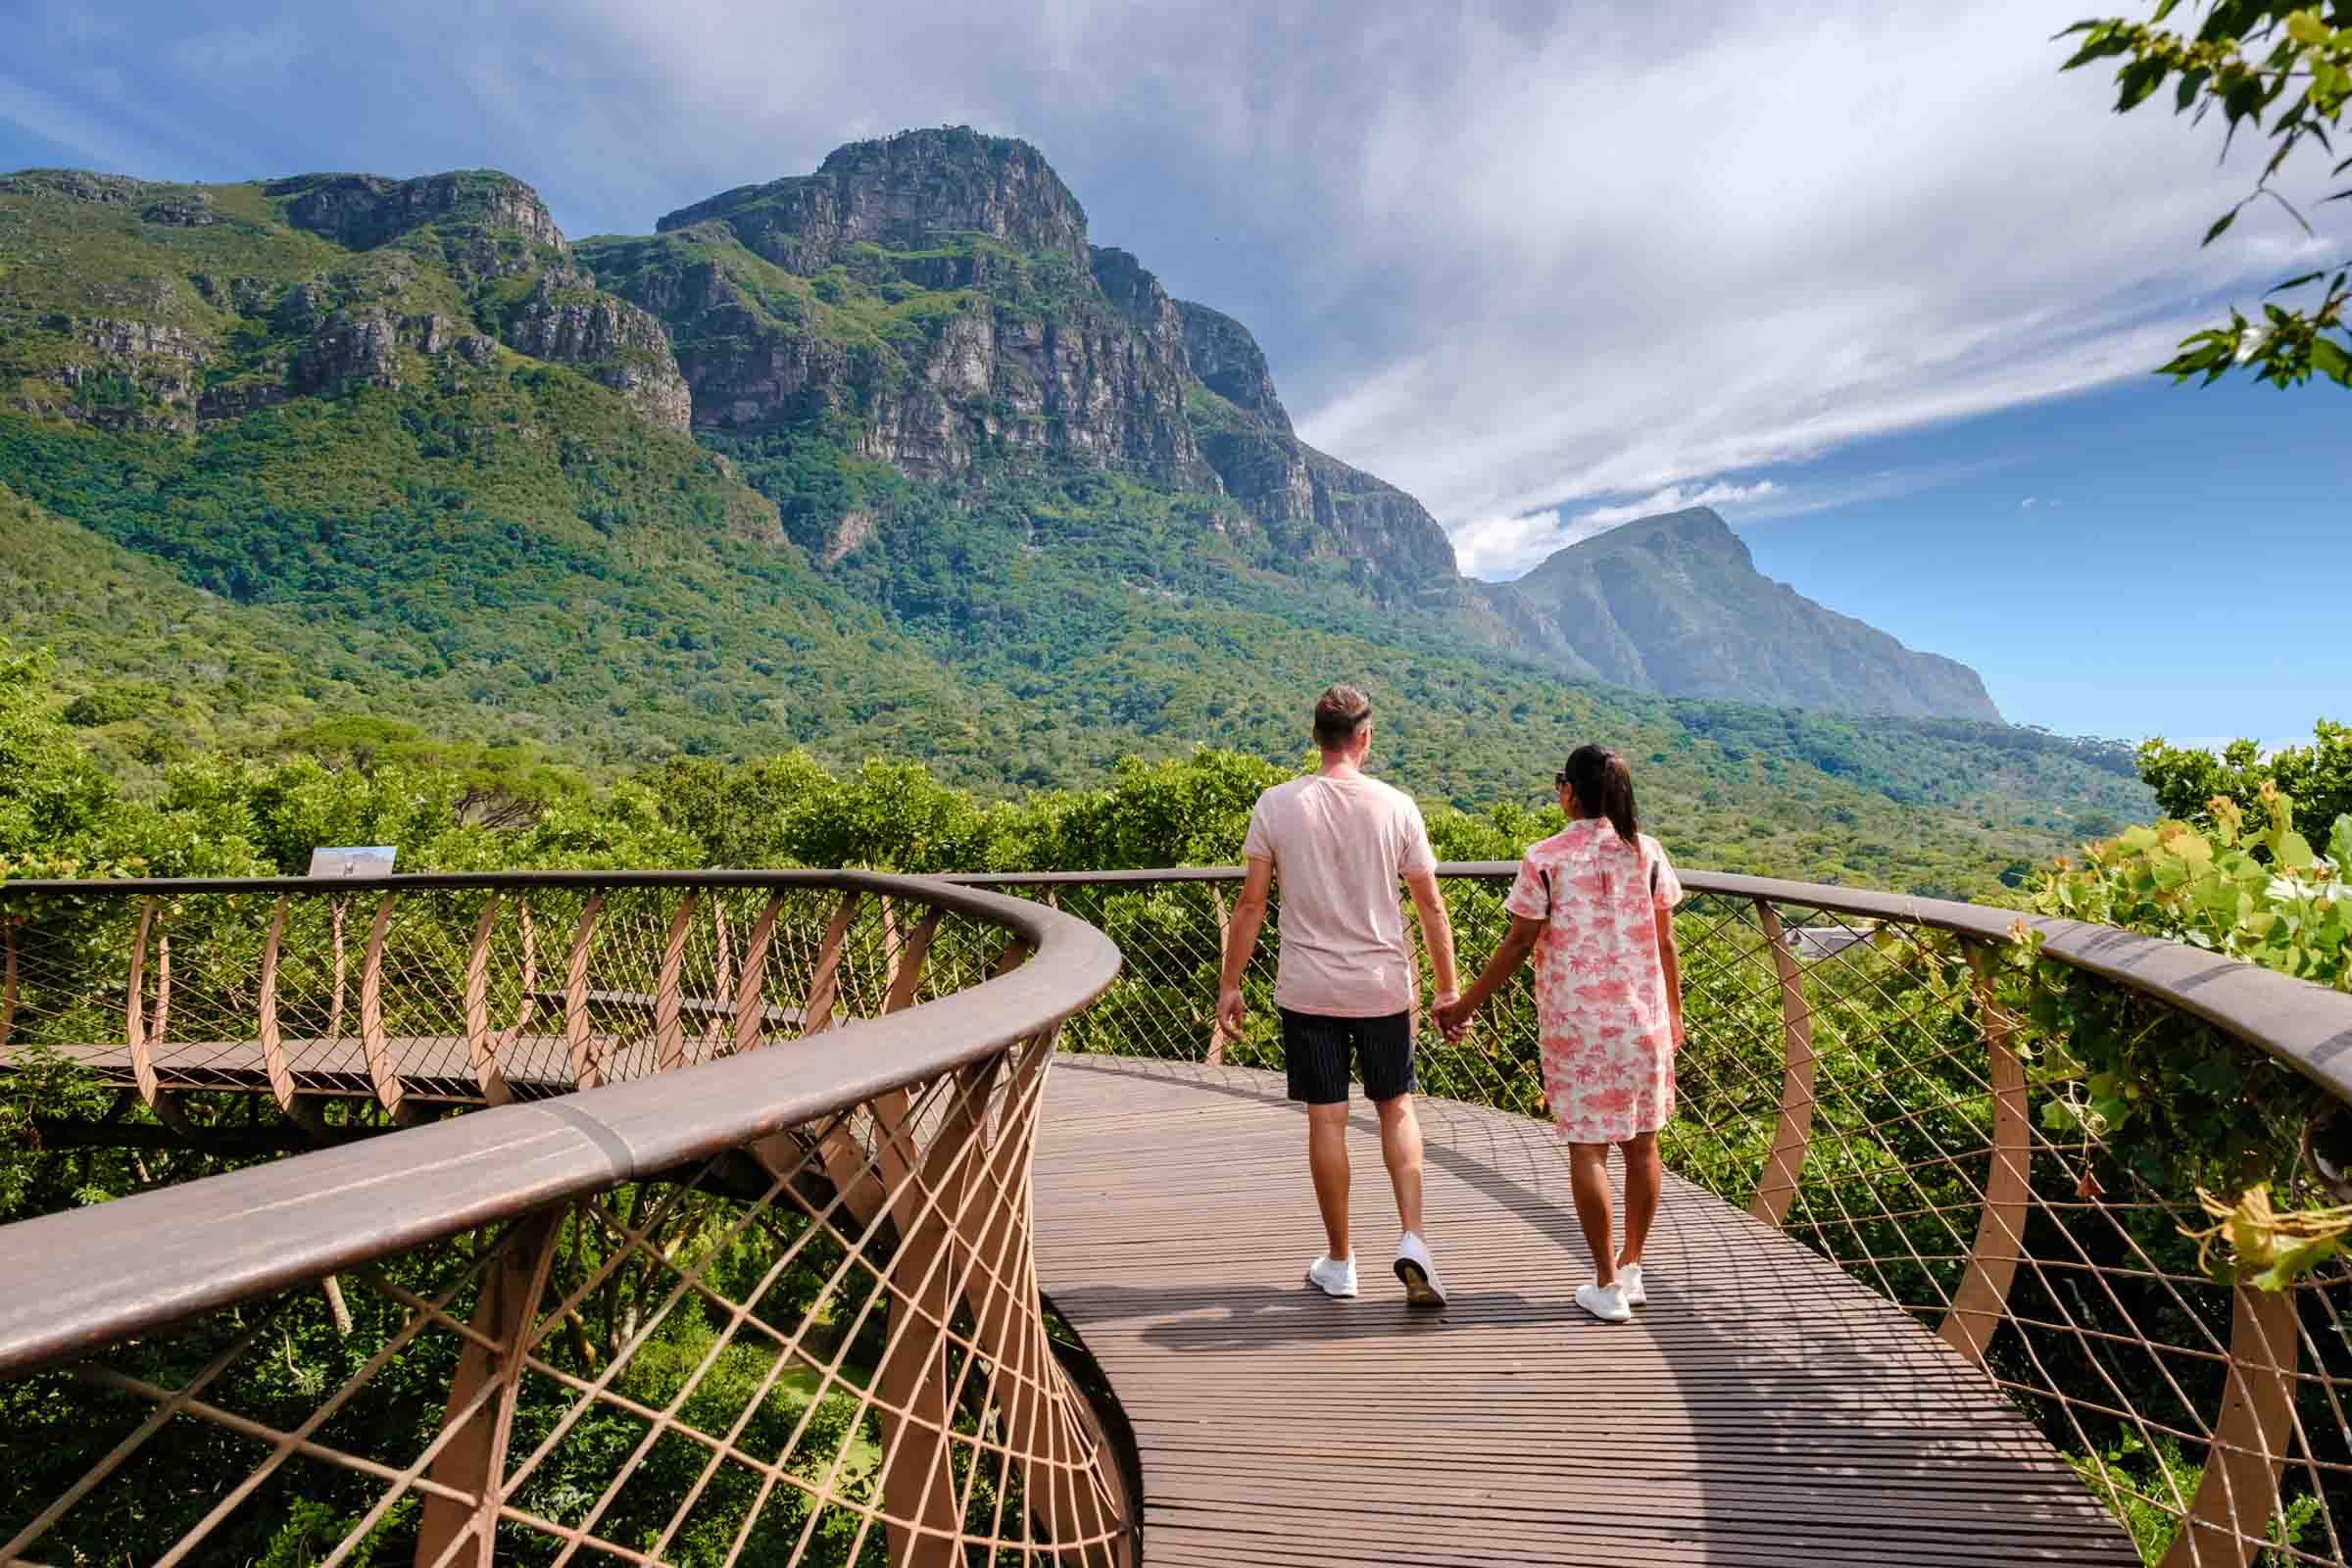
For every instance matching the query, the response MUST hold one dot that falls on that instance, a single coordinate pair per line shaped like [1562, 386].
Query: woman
[1594, 903]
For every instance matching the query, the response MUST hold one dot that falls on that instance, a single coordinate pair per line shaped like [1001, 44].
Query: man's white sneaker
[1332, 1279]
[1629, 1275]
[1422, 1287]
[1605, 1302]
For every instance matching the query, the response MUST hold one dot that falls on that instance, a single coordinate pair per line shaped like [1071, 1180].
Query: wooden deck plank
[1764, 1409]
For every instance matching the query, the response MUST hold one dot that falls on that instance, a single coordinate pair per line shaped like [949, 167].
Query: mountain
[889, 458]
[1675, 603]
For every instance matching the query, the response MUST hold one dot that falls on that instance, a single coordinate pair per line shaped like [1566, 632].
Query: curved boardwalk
[1763, 1410]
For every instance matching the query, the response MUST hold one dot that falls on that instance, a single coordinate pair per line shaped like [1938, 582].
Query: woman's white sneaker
[1629, 1275]
[1422, 1287]
[1605, 1302]
[1332, 1279]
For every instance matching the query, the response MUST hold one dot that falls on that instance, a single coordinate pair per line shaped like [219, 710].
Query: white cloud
[1675, 498]
[2026, 505]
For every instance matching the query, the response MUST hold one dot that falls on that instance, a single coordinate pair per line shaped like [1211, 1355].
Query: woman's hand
[1453, 1015]
[1231, 1011]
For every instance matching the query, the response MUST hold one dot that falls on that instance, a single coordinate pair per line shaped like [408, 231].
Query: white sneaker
[1605, 1302]
[1332, 1279]
[1629, 1275]
[1422, 1287]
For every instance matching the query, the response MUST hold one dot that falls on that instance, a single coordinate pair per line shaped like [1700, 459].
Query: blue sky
[1865, 275]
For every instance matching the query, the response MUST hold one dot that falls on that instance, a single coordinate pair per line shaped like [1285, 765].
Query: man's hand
[1230, 1011]
[1452, 1016]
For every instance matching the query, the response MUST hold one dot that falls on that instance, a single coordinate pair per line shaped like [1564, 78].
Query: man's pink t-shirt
[1339, 846]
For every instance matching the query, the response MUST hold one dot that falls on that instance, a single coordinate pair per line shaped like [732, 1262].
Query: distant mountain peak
[1694, 529]
[902, 192]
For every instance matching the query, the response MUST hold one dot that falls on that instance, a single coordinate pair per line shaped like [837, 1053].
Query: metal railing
[693, 1286]
[1850, 1077]
[687, 1288]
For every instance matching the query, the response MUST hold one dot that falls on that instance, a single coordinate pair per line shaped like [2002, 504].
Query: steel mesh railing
[1850, 1078]
[697, 1286]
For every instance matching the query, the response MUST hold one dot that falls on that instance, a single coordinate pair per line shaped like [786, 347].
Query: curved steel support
[382, 1071]
[2238, 1495]
[669, 1034]
[748, 1014]
[274, 1040]
[816, 1014]
[480, 1040]
[587, 1070]
[481, 1401]
[134, 1021]
[528, 1008]
[1776, 1188]
[1982, 1299]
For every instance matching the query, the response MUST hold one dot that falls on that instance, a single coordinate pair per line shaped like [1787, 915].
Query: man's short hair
[1340, 714]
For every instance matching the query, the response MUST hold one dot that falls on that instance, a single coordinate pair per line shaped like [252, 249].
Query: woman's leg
[1589, 1184]
[1644, 1174]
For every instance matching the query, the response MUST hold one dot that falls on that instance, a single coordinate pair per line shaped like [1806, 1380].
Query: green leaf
[2297, 1261]
[2306, 27]
[2295, 850]
[2332, 361]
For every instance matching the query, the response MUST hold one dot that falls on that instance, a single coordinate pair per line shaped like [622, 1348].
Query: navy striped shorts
[1315, 1048]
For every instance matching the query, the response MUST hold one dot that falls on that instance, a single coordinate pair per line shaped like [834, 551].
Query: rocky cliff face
[1229, 363]
[487, 222]
[1675, 603]
[930, 296]
[567, 318]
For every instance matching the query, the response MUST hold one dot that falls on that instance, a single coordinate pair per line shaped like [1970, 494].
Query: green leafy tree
[57, 810]
[2283, 72]
[2318, 778]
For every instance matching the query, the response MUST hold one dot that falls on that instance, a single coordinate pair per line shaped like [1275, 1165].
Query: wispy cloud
[1505, 546]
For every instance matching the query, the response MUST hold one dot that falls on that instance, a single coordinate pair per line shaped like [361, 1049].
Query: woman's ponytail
[1604, 787]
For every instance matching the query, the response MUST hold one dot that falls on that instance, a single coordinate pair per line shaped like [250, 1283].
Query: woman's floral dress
[1601, 1018]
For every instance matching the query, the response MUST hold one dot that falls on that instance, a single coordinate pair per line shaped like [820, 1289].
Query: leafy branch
[2284, 71]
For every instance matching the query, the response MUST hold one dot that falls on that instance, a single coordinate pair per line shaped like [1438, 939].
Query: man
[1339, 840]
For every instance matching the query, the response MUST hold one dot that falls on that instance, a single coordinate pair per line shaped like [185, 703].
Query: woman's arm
[1517, 943]
[1670, 960]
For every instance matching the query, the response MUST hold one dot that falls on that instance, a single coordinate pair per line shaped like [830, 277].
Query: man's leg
[1384, 1048]
[1327, 1163]
[1401, 1151]
[1644, 1175]
[1589, 1184]
[1314, 1053]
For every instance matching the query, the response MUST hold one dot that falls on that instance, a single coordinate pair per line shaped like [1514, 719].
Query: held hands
[1453, 1015]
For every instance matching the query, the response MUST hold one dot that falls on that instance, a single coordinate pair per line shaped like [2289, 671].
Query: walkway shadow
[1248, 1318]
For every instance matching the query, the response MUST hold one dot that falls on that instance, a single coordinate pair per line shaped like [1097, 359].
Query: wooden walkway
[1763, 1410]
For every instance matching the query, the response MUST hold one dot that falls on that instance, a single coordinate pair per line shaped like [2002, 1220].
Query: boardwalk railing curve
[1830, 1087]
[732, 1264]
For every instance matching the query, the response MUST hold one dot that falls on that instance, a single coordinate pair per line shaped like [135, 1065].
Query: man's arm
[1241, 940]
[1517, 943]
[1437, 931]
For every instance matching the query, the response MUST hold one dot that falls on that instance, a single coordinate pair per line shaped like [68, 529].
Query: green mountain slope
[802, 469]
